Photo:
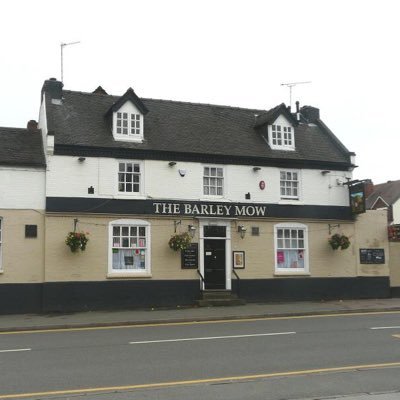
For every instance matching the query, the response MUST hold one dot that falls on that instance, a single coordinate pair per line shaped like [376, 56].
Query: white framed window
[129, 177]
[128, 124]
[291, 248]
[213, 181]
[281, 137]
[129, 247]
[1, 243]
[289, 185]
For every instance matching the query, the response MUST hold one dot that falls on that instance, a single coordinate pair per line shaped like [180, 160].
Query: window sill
[283, 148]
[291, 202]
[128, 139]
[125, 196]
[117, 275]
[210, 198]
[291, 273]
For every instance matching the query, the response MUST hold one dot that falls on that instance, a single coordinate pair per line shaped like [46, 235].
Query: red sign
[262, 185]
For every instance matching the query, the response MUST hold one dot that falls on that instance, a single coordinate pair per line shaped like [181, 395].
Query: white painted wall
[22, 188]
[67, 177]
[42, 124]
[396, 212]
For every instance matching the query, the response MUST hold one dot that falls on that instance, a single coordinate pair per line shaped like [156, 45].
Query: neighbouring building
[386, 196]
[22, 215]
[260, 191]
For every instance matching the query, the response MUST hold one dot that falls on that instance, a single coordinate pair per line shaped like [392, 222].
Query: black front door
[214, 263]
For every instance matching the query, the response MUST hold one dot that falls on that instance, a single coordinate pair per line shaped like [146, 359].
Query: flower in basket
[339, 241]
[180, 241]
[77, 241]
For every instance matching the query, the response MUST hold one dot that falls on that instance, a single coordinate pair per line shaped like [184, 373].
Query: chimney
[368, 187]
[32, 126]
[53, 87]
[311, 114]
[297, 110]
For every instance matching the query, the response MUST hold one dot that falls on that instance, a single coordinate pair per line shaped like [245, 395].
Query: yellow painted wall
[369, 231]
[394, 248]
[22, 258]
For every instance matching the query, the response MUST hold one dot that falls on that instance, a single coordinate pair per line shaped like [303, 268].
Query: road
[276, 358]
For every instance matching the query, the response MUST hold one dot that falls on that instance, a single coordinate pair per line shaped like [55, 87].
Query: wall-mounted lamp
[81, 159]
[182, 172]
[242, 230]
[191, 230]
[172, 163]
[255, 169]
[324, 172]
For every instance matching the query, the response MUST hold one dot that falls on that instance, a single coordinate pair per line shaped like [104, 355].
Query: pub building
[260, 192]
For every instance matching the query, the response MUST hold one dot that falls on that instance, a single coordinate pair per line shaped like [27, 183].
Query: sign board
[190, 257]
[357, 198]
[372, 256]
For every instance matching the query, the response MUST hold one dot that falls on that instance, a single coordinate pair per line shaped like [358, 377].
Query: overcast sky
[222, 52]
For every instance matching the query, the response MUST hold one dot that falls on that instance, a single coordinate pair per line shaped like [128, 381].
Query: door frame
[228, 252]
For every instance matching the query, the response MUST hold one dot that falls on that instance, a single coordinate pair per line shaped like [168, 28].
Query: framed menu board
[190, 257]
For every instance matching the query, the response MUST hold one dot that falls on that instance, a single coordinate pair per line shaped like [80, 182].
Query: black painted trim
[120, 294]
[125, 294]
[395, 291]
[20, 298]
[145, 207]
[142, 154]
[305, 289]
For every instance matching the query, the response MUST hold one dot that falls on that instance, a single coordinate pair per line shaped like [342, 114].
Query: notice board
[190, 257]
[372, 256]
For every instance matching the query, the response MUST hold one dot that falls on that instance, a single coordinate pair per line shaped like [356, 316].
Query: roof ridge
[11, 127]
[172, 101]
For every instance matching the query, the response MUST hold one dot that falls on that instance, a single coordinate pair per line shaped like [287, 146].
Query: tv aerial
[290, 85]
[62, 45]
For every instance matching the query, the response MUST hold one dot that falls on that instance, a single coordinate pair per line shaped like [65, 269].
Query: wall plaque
[190, 257]
[372, 256]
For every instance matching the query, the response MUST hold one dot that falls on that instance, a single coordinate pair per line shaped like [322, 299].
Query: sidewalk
[135, 317]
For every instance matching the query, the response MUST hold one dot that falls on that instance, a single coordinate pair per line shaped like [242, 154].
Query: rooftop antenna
[290, 85]
[62, 45]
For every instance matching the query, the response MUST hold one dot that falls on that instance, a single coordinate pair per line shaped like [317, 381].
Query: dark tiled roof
[180, 127]
[389, 192]
[21, 147]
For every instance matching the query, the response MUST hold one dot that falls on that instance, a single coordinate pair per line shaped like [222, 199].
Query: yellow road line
[222, 321]
[200, 381]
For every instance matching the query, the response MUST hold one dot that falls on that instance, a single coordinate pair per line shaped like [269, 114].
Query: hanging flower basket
[339, 241]
[180, 241]
[76, 241]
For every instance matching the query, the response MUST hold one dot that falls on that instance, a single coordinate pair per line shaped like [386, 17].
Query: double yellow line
[200, 381]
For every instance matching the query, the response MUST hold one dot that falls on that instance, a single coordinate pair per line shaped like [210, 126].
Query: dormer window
[127, 117]
[128, 124]
[281, 134]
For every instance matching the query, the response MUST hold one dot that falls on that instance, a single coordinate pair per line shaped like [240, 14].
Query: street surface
[276, 358]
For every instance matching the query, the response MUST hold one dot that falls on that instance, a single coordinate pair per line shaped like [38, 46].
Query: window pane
[142, 231]
[219, 172]
[121, 167]
[136, 168]
[116, 230]
[125, 231]
[125, 242]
